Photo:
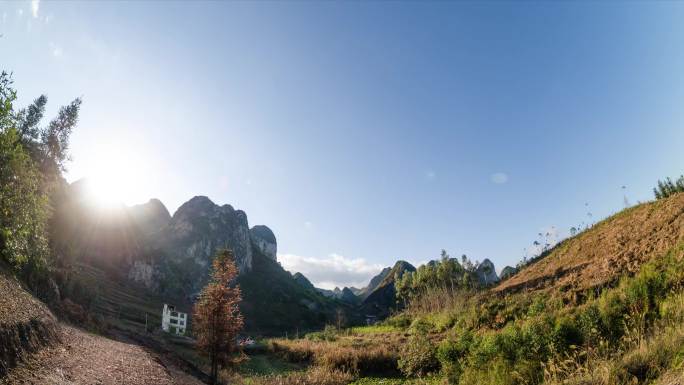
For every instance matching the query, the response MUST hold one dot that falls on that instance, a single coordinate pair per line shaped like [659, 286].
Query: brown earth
[84, 358]
[613, 247]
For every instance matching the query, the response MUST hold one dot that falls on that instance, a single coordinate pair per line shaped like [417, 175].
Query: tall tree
[31, 162]
[217, 318]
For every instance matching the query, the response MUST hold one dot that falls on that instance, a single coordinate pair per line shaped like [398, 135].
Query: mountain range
[170, 256]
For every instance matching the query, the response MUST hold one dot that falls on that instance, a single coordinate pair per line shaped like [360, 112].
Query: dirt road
[86, 359]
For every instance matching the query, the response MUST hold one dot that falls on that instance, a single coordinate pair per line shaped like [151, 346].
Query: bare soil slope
[85, 358]
[26, 324]
[617, 245]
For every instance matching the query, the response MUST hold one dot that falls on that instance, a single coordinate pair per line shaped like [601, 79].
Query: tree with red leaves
[216, 316]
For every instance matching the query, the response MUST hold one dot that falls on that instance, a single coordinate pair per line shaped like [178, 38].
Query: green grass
[374, 329]
[398, 381]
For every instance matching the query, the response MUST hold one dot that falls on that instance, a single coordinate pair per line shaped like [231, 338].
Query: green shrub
[421, 326]
[418, 356]
[401, 321]
[452, 352]
[613, 309]
[566, 334]
[329, 333]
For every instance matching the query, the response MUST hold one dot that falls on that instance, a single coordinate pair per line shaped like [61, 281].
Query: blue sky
[363, 133]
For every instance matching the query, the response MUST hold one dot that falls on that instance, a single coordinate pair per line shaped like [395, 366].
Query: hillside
[26, 324]
[382, 300]
[598, 256]
[36, 348]
[277, 303]
[605, 307]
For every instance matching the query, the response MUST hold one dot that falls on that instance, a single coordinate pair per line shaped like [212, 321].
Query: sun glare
[116, 178]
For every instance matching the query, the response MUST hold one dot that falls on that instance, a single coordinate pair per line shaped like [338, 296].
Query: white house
[174, 321]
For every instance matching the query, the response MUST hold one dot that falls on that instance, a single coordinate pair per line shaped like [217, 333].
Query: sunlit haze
[366, 132]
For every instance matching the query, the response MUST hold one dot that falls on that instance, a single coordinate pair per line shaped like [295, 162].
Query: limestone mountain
[383, 299]
[200, 227]
[303, 281]
[264, 241]
[507, 272]
[486, 273]
[150, 217]
[374, 282]
[168, 256]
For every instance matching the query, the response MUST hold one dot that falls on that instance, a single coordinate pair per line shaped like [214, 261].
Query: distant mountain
[303, 281]
[374, 283]
[150, 217]
[486, 273]
[508, 272]
[383, 299]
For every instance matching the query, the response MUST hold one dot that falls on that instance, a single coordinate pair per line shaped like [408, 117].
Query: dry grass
[437, 300]
[619, 244]
[348, 355]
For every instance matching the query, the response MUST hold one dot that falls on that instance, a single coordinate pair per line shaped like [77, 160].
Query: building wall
[172, 319]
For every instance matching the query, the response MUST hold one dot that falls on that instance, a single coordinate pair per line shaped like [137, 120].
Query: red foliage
[217, 318]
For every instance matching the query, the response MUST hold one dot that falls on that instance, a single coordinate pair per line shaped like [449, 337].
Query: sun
[116, 178]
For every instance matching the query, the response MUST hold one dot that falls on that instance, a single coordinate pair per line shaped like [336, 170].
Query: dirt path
[87, 359]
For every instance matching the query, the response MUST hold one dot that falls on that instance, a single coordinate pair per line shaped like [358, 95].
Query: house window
[182, 323]
[173, 321]
[174, 314]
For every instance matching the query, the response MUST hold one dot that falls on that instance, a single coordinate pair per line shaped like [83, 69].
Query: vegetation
[32, 159]
[446, 276]
[615, 326]
[668, 187]
[216, 317]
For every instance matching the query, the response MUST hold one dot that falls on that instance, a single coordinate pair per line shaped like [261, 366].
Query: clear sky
[363, 133]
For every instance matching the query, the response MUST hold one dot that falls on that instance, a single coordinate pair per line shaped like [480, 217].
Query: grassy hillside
[604, 307]
[615, 246]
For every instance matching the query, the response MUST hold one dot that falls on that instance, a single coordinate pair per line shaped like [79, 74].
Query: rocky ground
[85, 358]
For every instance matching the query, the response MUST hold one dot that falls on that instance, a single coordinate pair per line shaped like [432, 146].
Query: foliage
[668, 187]
[216, 316]
[418, 356]
[31, 161]
[329, 333]
[446, 274]
[23, 207]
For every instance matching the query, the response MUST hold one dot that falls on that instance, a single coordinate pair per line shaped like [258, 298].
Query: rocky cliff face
[200, 227]
[150, 217]
[486, 273]
[180, 248]
[264, 241]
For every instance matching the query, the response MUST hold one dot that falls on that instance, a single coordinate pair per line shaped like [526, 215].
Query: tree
[23, 208]
[216, 316]
[668, 187]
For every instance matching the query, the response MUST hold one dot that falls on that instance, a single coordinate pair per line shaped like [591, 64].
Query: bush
[421, 326]
[418, 357]
[401, 321]
[329, 333]
[566, 334]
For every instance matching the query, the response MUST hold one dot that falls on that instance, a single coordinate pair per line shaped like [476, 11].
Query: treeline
[446, 274]
[32, 159]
